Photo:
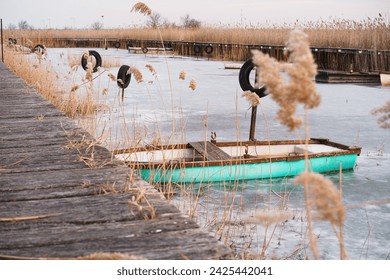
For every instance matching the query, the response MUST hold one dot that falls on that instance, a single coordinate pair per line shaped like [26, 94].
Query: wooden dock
[340, 77]
[335, 59]
[64, 196]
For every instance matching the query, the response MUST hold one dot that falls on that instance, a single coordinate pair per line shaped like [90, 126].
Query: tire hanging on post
[123, 78]
[243, 78]
[97, 57]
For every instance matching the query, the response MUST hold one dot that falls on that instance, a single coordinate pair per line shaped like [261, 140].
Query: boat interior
[208, 151]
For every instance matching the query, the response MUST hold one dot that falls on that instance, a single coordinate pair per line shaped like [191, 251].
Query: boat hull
[385, 79]
[247, 171]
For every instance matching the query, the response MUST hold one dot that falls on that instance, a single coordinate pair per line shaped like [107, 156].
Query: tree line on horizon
[154, 20]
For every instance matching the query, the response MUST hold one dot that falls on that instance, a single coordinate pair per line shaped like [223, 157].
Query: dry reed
[383, 120]
[325, 199]
[141, 8]
[370, 33]
[182, 75]
[136, 73]
[253, 98]
[300, 89]
[192, 84]
[151, 69]
[111, 76]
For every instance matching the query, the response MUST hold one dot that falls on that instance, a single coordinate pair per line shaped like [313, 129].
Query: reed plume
[141, 8]
[182, 75]
[300, 88]
[326, 202]
[151, 69]
[112, 76]
[89, 72]
[86, 54]
[136, 73]
[192, 84]
[383, 120]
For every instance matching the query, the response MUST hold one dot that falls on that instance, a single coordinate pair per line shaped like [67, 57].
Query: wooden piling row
[337, 59]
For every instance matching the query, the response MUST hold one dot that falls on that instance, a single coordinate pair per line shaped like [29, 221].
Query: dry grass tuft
[74, 60]
[141, 8]
[143, 206]
[383, 121]
[300, 88]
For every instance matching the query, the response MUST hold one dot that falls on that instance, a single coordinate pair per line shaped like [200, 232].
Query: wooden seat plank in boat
[209, 151]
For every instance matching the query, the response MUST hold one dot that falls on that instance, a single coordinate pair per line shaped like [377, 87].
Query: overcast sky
[116, 13]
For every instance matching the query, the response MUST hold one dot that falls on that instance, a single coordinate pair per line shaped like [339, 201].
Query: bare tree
[188, 22]
[24, 25]
[97, 25]
[155, 20]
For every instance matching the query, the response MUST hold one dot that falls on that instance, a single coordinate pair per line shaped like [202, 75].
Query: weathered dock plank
[64, 196]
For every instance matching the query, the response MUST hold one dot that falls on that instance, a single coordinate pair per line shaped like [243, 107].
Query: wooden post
[2, 41]
[253, 124]
[252, 129]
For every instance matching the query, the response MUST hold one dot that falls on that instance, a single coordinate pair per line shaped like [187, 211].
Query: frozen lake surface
[163, 107]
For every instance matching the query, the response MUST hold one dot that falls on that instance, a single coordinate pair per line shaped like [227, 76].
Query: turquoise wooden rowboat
[206, 161]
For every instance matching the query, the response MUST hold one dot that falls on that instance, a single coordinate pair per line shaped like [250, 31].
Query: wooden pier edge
[327, 58]
[64, 197]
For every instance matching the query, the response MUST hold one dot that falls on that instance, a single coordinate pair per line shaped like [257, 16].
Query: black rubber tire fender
[97, 57]
[243, 78]
[124, 76]
[117, 44]
[209, 49]
[38, 47]
[197, 49]
[145, 50]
